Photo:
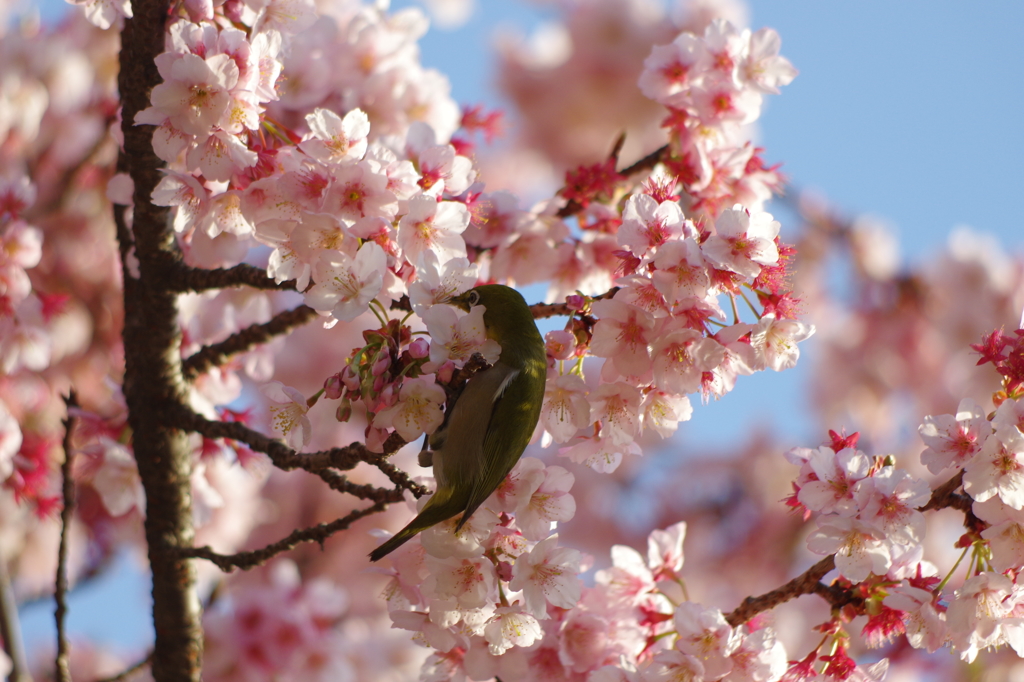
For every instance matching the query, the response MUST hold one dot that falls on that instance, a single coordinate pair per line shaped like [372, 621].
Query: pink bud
[560, 344]
[344, 411]
[504, 571]
[445, 371]
[378, 384]
[575, 302]
[349, 378]
[387, 396]
[333, 386]
[381, 365]
[419, 348]
[199, 10]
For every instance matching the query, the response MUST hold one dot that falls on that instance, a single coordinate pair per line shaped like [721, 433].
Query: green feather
[492, 422]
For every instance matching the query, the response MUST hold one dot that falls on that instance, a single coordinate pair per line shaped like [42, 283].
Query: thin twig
[247, 560]
[246, 339]
[10, 628]
[61, 586]
[127, 673]
[806, 583]
[286, 459]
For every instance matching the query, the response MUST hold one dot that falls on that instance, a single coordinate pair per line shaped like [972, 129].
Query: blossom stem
[938, 588]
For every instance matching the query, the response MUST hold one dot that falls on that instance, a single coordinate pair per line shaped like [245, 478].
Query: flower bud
[420, 348]
[349, 378]
[344, 411]
[575, 302]
[381, 365]
[333, 386]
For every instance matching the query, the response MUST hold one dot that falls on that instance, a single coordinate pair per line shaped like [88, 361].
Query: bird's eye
[474, 298]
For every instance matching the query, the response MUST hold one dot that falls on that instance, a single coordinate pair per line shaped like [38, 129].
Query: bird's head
[506, 313]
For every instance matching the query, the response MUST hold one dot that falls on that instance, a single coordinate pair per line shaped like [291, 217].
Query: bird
[491, 422]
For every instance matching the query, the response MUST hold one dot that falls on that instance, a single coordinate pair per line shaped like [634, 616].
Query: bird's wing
[461, 457]
[503, 447]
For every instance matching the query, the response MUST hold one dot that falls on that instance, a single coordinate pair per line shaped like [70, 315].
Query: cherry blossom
[953, 440]
[344, 285]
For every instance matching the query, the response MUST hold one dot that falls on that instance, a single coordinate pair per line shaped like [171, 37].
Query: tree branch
[10, 628]
[246, 339]
[286, 459]
[945, 496]
[61, 586]
[128, 672]
[188, 279]
[806, 583]
[247, 560]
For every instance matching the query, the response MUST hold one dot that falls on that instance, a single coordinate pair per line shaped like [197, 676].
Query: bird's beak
[460, 301]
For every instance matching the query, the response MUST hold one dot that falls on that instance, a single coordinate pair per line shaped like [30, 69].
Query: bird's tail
[431, 515]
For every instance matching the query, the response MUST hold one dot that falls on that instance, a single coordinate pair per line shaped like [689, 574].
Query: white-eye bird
[493, 419]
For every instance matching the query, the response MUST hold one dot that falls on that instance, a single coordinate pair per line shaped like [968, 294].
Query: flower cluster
[283, 626]
[869, 516]
[713, 85]
[488, 587]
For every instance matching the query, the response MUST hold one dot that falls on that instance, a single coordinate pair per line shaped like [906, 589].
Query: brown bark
[153, 383]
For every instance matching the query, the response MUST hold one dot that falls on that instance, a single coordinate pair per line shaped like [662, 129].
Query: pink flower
[565, 410]
[890, 499]
[511, 627]
[836, 474]
[457, 338]
[10, 441]
[681, 357]
[662, 412]
[705, 635]
[681, 272]
[288, 414]
[336, 139]
[622, 334]
[549, 503]
[954, 440]
[345, 286]
[617, 407]
[435, 226]
[195, 93]
[775, 341]
[923, 616]
[117, 479]
[1005, 533]
[998, 469]
[763, 68]
[671, 70]
[417, 411]
[647, 225]
[859, 547]
[548, 574]
[437, 282]
[743, 242]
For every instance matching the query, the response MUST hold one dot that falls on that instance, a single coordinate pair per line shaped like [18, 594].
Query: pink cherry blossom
[705, 635]
[623, 334]
[417, 411]
[288, 410]
[647, 225]
[998, 470]
[336, 139]
[859, 547]
[548, 574]
[457, 338]
[776, 341]
[345, 286]
[511, 627]
[743, 242]
[953, 440]
[435, 226]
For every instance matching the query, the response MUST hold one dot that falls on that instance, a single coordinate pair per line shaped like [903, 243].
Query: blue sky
[907, 110]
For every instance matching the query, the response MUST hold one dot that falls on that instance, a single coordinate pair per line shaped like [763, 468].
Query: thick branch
[247, 560]
[153, 384]
[61, 586]
[188, 279]
[244, 340]
[807, 583]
